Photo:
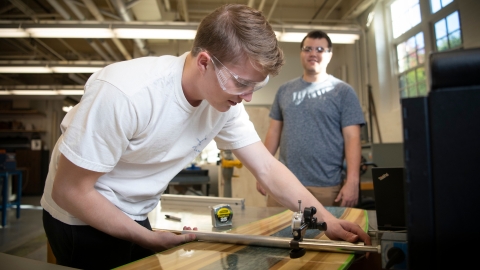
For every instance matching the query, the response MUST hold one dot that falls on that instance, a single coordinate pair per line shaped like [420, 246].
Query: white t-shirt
[134, 124]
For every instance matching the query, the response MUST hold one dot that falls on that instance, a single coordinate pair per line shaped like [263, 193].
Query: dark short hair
[317, 34]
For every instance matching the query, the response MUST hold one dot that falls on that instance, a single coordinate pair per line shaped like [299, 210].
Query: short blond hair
[234, 31]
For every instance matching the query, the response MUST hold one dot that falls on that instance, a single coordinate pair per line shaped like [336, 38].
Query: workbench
[273, 221]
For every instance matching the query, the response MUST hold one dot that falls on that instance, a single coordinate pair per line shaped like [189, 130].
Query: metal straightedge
[283, 242]
[175, 201]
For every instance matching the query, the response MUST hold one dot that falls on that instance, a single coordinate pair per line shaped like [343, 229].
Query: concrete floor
[25, 237]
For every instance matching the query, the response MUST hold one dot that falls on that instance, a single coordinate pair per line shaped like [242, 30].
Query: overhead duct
[122, 10]
[74, 9]
[98, 16]
[59, 9]
[99, 50]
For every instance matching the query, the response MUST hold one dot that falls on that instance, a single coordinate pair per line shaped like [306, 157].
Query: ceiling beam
[25, 9]
[272, 9]
[332, 8]
[352, 8]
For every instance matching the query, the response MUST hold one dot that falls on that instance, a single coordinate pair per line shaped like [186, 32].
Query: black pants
[85, 247]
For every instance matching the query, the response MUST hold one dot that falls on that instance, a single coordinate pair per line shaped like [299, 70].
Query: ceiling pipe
[122, 48]
[76, 79]
[25, 9]
[122, 10]
[27, 44]
[132, 3]
[318, 11]
[7, 8]
[93, 10]
[98, 16]
[167, 5]
[185, 10]
[99, 10]
[59, 9]
[99, 50]
[74, 9]
[333, 8]
[80, 57]
[107, 47]
[274, 5]
[260, 7]
[52, 51]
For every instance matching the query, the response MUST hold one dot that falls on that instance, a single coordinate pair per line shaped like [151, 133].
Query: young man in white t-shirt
[141, 121]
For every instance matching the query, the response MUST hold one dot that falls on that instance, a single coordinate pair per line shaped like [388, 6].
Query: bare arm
[287, 190]
[74, 191]
[272, 141]
[353, 148]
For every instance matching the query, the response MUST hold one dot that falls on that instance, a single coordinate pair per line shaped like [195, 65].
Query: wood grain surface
[207, 255]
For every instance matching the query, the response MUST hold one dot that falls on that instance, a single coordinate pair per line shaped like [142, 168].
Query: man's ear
[202, 61]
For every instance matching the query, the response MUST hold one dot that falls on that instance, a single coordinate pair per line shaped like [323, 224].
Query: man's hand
[348, 195]
[165, 240]
[261, 189]
[339, 229]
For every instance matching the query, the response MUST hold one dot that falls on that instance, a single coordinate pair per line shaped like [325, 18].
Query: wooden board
[206, 255]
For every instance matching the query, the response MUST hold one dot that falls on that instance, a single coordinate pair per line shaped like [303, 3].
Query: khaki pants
[325, 195]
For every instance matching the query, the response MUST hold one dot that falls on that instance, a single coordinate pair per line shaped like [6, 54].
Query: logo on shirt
[309, 93]
[197, 148]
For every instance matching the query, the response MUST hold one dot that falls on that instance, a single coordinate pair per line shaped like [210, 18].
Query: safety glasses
[232, 83]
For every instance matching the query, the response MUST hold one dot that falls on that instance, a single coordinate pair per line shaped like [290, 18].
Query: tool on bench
[300, 223]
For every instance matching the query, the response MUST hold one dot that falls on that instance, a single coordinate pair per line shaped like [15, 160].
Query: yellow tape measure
[222, 215]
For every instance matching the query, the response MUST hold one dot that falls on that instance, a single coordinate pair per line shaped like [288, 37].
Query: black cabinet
[35, 168]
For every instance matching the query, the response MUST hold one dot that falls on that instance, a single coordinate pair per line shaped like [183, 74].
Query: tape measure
[222, 215]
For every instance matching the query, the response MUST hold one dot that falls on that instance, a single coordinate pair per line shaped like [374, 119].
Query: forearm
[272, 139]
[288, 190]
[278, 180]
[353, 153]
[74, 191]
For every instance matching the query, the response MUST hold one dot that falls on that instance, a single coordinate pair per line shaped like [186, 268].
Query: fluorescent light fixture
[24, 69]
[156, 30]
[122, 33]
[61, 69]
[155, 33]
[13, 33]
[46, 92]
[70, 92]
[337, 38]
[70, 32]
[50, 67]
[343, 38]
[42, 90]
[33, 92]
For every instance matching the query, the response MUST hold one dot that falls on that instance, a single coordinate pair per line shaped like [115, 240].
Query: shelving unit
[21, 131]
[27, 124]
[8, 115]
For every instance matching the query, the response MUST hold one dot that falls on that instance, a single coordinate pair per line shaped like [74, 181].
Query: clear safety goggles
[232, 83]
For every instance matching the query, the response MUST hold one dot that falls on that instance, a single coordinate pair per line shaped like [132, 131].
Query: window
[410, 27]
[411, 60]
[436, 5]
[405, 15]
[448, 33]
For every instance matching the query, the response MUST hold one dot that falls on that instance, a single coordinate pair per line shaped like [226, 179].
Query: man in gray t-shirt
[315, 121]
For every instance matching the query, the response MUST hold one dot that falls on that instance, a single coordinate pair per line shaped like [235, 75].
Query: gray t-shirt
[313, 115]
